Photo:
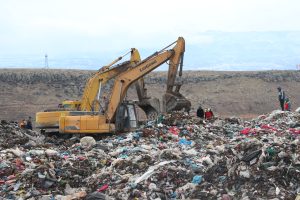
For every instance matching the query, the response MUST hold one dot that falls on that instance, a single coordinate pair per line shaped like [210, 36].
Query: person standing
[200, 112]
[22, 123]
[29, 123]
[287, 104]
[281, 97]
[208, 114]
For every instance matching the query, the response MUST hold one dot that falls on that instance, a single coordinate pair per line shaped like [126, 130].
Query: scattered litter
[175, 157]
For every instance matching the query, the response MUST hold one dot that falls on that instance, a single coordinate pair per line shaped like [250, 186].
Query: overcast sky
[61, 26]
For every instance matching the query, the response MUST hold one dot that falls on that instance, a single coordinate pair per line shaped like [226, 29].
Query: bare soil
[23, 92]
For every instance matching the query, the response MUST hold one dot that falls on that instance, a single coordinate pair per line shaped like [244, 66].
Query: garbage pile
[11, 135]
[177, 156]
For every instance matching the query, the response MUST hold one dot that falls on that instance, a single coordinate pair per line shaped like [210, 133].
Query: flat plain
[246, 94]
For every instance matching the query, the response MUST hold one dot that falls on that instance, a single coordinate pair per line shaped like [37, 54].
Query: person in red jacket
[287, 104]
[208, 114]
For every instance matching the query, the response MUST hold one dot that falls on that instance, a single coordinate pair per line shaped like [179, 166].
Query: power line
[46, 61]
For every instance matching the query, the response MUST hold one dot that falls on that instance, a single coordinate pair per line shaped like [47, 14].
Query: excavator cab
[126, 117]
[69, 104]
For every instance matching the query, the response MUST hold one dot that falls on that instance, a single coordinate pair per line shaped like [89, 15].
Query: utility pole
[46, 61]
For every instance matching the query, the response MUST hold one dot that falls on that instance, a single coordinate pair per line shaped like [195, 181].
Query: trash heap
[177, 156]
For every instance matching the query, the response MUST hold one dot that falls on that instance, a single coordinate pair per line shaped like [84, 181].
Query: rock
[271, 192]
[282, 154]
[37, 152]
[245, 174]
[208, 161]
[152, 186]
[96, 196]
[17, 152]
[191, 152]
[213, 192]
[78, 195]
[226, 197]
[68, 190]
[50, 152]
[87, 141]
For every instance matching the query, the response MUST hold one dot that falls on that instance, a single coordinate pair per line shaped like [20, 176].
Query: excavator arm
[174, 62]
[125, 79]
[172, 99]
[91, 96]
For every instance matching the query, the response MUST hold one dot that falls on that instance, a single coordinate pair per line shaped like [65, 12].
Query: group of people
[26, 124]
[205, 114]
[284, 101]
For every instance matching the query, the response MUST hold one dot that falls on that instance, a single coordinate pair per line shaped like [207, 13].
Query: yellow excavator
[117, 115]
[49, 119]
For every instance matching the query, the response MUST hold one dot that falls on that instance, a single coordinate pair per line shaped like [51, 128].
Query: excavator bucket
[173, 101]
[151, 107]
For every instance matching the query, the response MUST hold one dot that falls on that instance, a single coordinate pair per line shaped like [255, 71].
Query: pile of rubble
[176, 157]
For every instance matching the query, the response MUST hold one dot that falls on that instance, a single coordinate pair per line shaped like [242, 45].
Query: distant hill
[24, 92]
[244, 51]
[211, 50]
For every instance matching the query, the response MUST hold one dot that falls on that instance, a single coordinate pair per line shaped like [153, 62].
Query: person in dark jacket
[29, 123]
[281, 97]
[200, 112]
